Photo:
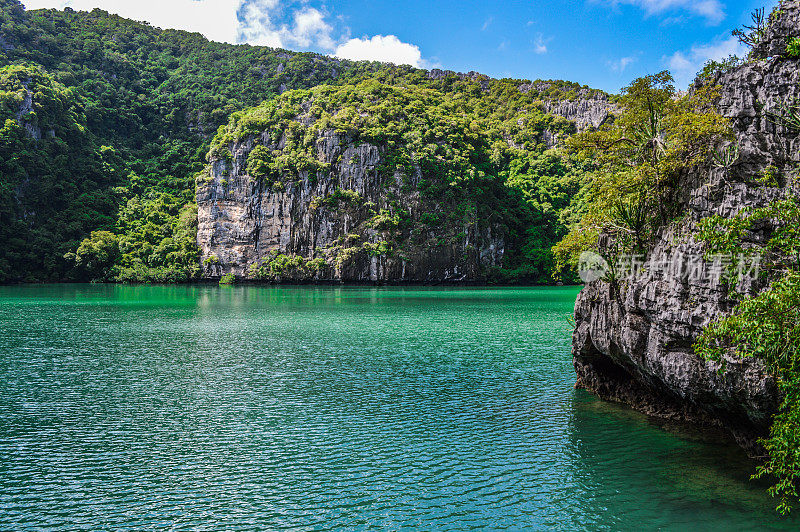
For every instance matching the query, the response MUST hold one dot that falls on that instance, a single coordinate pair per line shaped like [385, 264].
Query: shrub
[228, 279]
[793, 48]
[278, 267]
[714, 68]
[766, 326]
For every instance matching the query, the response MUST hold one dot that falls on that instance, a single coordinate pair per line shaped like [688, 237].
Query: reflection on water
[326, 408]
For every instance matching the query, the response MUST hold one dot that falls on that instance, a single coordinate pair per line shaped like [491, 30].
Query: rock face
[590, 110]
[633, 341]
[587, 109]
[347, 216]
[27, 107]
[360, 219]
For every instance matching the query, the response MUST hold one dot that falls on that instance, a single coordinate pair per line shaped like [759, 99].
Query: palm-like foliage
[786, 115]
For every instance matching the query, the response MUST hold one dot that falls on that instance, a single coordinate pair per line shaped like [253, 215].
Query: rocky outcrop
[359, 215]
[633, 339]
[587, 108]
[24, 111]
[782, 25]
[352, 222]
[482, 79]
[590, 110]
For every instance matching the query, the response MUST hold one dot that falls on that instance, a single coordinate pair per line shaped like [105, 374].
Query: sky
[601, 43]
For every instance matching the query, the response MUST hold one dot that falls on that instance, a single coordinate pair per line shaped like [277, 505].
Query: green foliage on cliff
[227, 280]
[279, 266]
[132, 109]
[146, 102]
[634, 166]
[793, 48]
[474, 148]
[153, 239]
[767, 326]
[55, 180]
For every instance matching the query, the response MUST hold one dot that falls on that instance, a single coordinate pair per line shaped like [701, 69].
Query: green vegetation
[227, 280]
[476, 147]
[712, 68]
[793, 48]
[55, 180]
[752, 34]
[786, 115]
[766, 326]
[634, 165]
[125, 112]
[145, 103]
[279, 267]
[106, 124]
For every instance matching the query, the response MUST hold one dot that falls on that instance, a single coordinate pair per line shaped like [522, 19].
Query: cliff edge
[633, 339]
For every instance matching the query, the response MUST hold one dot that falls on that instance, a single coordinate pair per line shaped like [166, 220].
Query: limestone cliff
[633, 340]
[380, 183]
[346, 216]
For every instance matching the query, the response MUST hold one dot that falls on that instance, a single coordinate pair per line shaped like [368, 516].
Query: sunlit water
[326, 408]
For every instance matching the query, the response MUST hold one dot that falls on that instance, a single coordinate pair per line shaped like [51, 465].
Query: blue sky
[601, 43]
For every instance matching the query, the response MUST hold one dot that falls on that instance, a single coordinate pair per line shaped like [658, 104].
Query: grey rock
[784, 23]
[587, 113]
[242, 222]
[589, 110]
[33, 131]
[633, 339]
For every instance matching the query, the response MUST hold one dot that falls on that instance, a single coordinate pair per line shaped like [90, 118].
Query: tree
[635, 164]
[97, 255]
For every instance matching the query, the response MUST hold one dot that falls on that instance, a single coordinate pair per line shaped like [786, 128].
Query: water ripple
[200, 408]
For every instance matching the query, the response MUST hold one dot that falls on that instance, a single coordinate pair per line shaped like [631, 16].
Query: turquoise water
[328, 408]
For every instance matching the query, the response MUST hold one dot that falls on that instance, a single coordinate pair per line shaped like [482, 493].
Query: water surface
[321, 408]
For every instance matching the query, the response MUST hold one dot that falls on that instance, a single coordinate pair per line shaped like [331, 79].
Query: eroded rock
[633, 340]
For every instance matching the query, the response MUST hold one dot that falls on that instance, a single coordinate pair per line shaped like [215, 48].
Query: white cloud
[308, 29]
[257, 22]
[216, 19]
[381, 48]
[712, 10]
[685, 65]
[540, 44]
[621, 64]
[487, 23]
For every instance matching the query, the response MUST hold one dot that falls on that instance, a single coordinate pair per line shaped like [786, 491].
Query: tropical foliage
[766, 326]
[125, 113]
[476, 149]
[146, 103]
[634, 165]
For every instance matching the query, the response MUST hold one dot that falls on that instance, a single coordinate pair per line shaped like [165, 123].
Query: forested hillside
[108, 123]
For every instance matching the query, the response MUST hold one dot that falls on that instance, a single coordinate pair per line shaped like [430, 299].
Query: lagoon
[317, 408]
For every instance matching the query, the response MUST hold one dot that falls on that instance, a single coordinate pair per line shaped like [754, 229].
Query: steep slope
[633, 339]
[154, 99]
[396, 183]
[54, 180]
